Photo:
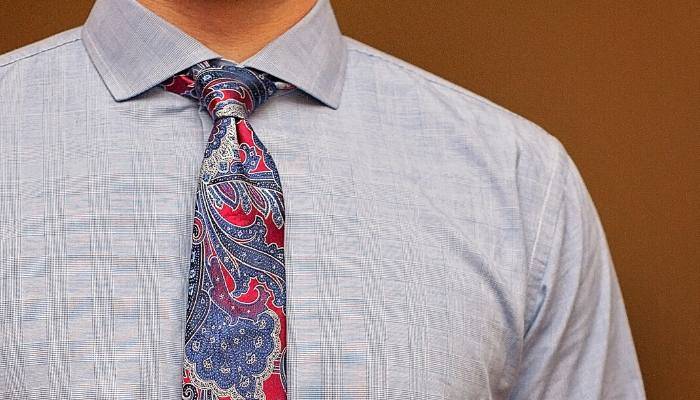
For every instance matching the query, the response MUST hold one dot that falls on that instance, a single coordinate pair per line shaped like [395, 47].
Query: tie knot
[225, 89]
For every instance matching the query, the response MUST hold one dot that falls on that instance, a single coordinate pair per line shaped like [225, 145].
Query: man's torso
[412, 216]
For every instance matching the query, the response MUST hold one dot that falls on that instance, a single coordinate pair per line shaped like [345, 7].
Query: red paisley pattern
[235, 340]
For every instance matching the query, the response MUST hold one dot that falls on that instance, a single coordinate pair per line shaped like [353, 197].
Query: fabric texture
[436, 245]
[235, 333]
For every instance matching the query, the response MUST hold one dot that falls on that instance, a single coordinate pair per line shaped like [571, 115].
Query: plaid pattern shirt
[437, 246]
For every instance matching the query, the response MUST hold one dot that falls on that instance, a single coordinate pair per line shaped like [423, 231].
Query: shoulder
[503, 135]
[39, 56]
[49, 44]
[524, 167]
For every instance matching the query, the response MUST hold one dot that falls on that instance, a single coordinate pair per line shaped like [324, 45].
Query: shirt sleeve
[577, 342]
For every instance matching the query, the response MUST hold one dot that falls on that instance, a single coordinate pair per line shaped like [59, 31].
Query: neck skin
[235, 29]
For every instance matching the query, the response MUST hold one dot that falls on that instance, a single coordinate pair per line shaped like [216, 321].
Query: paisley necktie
[235, 333]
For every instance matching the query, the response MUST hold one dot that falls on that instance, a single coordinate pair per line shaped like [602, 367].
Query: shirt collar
[133, 49]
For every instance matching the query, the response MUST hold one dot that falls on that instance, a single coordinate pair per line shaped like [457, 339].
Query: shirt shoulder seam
[434, 79]
[13, 60]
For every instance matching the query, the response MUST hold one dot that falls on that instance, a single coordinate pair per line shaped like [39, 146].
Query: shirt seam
[536, 280]
[439, 82]
[36, 53]
[540, 220]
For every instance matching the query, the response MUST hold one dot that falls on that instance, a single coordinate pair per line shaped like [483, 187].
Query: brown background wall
[617, 82]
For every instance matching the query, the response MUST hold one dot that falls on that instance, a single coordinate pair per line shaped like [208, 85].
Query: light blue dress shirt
[437, 245]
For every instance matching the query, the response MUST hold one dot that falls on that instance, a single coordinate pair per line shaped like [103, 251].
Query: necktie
[235, 333]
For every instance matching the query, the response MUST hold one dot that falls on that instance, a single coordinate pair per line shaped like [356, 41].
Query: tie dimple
[227, 90]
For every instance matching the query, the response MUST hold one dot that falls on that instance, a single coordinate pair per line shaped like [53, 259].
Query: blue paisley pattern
[235, 339]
